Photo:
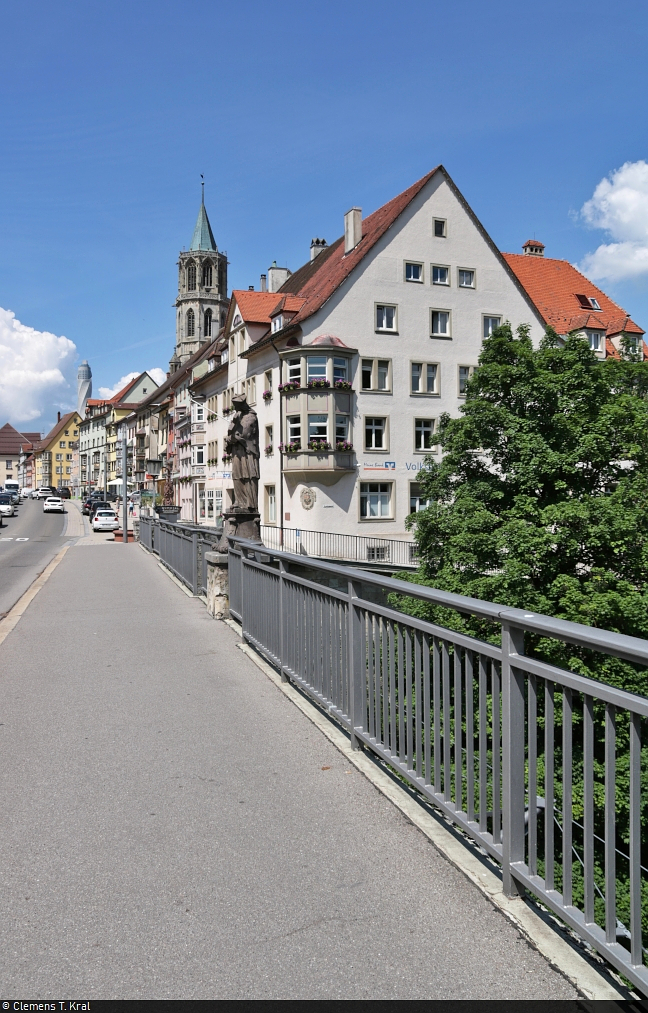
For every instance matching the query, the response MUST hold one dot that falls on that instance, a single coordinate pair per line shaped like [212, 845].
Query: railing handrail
[619, 645]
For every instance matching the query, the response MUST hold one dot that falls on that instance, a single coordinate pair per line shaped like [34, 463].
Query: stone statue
[242, 444]
[168, 497]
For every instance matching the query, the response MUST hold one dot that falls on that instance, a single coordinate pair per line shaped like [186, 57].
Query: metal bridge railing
[332, 545]
[181, 549]
[541, 766]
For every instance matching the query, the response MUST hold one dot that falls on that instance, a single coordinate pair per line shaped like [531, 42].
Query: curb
[15, 614]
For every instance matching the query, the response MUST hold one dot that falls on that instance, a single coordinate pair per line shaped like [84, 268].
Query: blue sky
[294, 112]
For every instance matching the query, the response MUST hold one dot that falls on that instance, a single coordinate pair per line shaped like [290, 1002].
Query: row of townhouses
[349, 362]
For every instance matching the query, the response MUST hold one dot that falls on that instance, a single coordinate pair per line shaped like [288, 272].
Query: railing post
[513, 767]
[354, 665]
[282, 621]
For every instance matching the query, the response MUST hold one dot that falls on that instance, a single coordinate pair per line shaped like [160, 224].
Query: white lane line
[22, 539]
[6, 539]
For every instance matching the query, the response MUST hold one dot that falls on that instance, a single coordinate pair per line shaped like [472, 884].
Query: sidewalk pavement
[175, 828]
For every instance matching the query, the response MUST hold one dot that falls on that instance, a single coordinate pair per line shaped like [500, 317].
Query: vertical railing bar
[436, 708]
[384, 651]
[636, 948]
[549, 785]
[418, 709]
[483, 743]
[610, 824]
[409, 698]
[458, 735]
[588, 807]
[469, 662]
[447, 788]
[567, 790]
[369, 622]
[400, 702]
[496, 741]
[427, 754]
[532, 735]
[392, 690]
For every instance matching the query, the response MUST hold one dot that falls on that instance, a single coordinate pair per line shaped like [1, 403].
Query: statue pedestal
[243, 524]
[217, 584]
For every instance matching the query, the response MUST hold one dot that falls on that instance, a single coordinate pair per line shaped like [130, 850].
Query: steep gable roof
[554, 285]
[58, 428]
[257, 307]
[11, 440]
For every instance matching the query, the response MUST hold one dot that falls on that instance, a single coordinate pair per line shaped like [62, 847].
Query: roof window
[588, 302]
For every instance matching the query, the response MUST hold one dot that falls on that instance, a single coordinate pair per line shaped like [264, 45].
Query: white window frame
[470, 375]
[425, 392]
[385, 432]
[472, 271]
[294, 365]
[448, 335]
[490, 316]
[412, 495]
[598, 336]
[291, 425]
[374, 389]
[271, 504]
[414, 263]
[424, 450]
[440, 267]
[383, 306]
[391, 502]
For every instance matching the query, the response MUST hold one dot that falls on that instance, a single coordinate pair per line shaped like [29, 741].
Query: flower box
[344, 446]
[290, 448]
[289, 386]
[342, 385]
[269, 449]
[318, 384]
[267, 395]
[321, 446]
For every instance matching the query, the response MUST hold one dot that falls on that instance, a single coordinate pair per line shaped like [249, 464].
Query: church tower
[201, 306]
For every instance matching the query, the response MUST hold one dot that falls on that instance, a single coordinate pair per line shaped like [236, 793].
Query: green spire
[203, 237]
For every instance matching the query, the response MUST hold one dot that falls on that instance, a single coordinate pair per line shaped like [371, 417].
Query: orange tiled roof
[316, 281]
[257, 307]
[553, 286]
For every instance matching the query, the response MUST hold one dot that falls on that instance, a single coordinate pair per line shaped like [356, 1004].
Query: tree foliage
[540, 500]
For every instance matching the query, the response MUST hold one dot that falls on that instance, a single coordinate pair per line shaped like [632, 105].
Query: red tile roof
[11, 440]
[317, 280]
[552, 286]
[257, 307]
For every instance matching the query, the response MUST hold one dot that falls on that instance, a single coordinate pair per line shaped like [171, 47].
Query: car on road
[44, 492]
[53, 505]
[64, 492]
[90, 500]
[99, 504]
[7, 508]
[26, 492]
[105, 520]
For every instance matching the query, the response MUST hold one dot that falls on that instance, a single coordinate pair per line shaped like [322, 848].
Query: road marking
[22, 539]
[6, 539]
[15, 614]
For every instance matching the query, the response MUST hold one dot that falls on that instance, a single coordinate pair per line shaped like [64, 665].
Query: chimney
[533, 248]
[317, 245]
[58, 416]
[352, 229]
[264, 283]
[250, 288]
[277, 276]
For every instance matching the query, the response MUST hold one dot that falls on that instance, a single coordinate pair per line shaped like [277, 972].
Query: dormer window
[237, 320]
[595, 339]
[277, 323]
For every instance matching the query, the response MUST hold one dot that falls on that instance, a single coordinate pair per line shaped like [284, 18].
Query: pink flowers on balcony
[290, 448]
[321, 446]
[289, 386]
[267, 395]
[343, 445]
[318, 384]
[342, 385]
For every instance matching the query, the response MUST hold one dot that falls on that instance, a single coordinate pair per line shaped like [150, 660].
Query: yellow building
[55, 453]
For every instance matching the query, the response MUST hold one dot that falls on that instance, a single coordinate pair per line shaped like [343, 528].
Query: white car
[43, 493]
[53, 505]
[26, 492]
[105, 520]
[7, 509]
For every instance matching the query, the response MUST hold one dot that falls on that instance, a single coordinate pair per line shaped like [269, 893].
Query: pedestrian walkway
[175, 828]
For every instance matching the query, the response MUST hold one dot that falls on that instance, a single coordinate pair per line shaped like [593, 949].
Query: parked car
[43, 492]
[7, 509]
[26, 492]
[99, 504]
[53, 505]
[64, 492]
[105, 520]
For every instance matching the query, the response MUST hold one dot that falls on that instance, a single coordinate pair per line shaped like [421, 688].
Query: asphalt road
[173, 827]
[21, 561]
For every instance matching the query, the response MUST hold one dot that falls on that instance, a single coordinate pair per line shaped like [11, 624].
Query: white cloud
[36, 370]
[157, 374]
[619, 205]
